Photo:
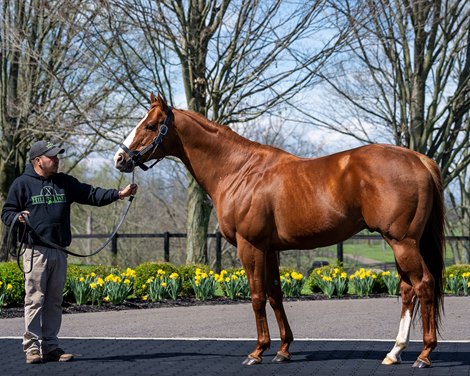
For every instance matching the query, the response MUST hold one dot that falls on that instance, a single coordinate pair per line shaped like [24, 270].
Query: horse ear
[152, 98]
[162, 103]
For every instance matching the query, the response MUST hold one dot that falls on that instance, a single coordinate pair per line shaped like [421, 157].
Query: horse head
[145, 142]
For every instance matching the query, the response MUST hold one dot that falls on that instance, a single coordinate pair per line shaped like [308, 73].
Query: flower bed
[163, 282]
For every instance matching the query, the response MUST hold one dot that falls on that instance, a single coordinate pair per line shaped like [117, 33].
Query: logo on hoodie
[48, 195]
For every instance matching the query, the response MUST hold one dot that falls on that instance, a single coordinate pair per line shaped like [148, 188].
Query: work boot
[33, 357]
[57, 355]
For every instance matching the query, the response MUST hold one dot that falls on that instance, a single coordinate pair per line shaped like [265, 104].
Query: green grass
[375, 251]
[380, 252]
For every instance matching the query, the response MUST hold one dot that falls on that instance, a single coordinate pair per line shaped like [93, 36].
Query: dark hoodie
[48, 200]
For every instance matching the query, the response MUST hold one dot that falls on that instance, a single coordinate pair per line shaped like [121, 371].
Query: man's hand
[130, 190]
[23, 214]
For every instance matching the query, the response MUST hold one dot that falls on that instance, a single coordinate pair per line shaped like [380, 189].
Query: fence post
[114, 244]
[166, 246]
[218, 252]
[339, 252]
[114, 248]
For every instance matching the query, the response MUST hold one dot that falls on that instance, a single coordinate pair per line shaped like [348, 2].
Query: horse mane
[226, 131]
[212, 126]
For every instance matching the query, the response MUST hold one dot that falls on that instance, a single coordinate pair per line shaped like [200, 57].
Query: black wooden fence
[218, 243]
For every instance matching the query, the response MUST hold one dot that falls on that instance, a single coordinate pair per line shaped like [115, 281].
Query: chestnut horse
[268, 200]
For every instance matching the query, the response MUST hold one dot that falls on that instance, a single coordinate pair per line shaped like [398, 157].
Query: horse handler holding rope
[40, 199]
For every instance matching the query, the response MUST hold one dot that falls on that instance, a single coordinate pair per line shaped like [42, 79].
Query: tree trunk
[8, 173]
[199, 209]
[462, 251]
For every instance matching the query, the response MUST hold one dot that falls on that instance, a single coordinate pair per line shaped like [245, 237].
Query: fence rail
[218, 242]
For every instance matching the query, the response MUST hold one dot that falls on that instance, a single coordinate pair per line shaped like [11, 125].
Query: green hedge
[10, 273]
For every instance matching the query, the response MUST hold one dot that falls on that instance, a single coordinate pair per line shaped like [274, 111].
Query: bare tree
[459, 216]
[404, 77]
[50, 86]
[233, 60]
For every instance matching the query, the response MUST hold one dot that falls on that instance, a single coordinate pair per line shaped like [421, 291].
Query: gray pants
[44, 286]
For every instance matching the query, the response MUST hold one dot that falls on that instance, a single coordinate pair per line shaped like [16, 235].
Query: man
[45, 196]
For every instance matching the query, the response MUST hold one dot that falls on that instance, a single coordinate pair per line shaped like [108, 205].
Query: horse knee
[258, 301]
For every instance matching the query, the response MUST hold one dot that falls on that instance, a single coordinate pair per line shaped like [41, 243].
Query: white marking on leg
[128, 141]
[402, 341]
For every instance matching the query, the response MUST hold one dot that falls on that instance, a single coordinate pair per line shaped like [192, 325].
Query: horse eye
[151, 127]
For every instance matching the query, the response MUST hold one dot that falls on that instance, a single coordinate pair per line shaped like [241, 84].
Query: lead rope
[22, 246]
[17, 253]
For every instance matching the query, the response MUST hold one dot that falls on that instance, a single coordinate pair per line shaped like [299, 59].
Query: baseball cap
[44, 148]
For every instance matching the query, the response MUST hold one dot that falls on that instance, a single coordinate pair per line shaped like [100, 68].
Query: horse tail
[432, 243]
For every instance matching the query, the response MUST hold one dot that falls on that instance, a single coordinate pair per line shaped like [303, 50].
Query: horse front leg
[253, 261]
[273, 284]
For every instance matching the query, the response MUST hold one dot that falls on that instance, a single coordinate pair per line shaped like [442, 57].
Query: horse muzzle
[123, 163]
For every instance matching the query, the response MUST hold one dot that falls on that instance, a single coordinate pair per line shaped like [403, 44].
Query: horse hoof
[388, 361]
[250, 361]
[420, 363]
[281, 358]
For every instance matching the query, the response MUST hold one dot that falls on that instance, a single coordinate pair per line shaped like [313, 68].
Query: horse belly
[313, 212]
[316, 230]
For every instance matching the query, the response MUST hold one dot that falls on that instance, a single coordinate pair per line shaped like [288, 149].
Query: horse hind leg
[414, 271]
[403, 336]
[273, 285]
[424, 291]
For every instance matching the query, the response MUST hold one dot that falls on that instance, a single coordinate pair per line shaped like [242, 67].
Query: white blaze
[128, 141]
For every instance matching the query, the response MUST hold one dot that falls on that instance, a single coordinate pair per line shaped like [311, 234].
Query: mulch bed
[70, 308]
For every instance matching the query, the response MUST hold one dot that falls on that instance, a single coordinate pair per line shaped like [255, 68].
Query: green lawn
[379, 251]
[376, 250]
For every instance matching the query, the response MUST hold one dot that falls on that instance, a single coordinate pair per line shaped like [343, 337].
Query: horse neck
[213, 152]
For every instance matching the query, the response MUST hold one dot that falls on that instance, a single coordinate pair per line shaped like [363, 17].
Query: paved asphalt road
[334, 338]
[375, 318]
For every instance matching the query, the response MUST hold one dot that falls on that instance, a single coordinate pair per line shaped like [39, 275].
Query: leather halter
[136, 155]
